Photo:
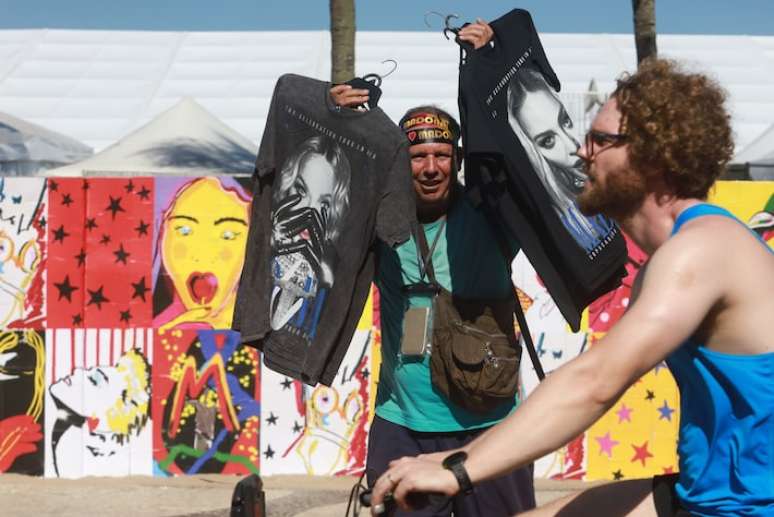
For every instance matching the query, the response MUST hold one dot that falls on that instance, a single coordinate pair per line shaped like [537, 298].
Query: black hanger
[372, 83]
[447, 27]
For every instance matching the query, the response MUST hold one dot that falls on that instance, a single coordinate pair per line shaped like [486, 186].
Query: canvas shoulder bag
[475, 356]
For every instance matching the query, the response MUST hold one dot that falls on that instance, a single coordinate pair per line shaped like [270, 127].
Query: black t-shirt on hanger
[520, 163]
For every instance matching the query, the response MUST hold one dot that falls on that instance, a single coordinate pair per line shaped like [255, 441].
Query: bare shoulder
[738, 269]
[672, 297]
[709, 239]
[697, 246]
[720, 237]
[685, 261]
[713, 278]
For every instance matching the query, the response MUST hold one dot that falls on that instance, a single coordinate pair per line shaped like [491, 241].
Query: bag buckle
[490, 357]
[422, 289]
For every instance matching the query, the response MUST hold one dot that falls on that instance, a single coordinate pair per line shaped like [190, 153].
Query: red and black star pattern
[99, 264]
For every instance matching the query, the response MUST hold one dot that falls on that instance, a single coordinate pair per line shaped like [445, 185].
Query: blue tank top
[726, 444]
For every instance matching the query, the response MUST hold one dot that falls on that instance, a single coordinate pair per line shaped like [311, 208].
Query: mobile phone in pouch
[416, 331]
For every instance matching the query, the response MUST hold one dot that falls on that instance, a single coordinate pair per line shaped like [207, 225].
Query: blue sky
[613, 16]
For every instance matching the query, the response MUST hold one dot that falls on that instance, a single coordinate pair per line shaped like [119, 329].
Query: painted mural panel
[202, 231]
[66, 261]
[98, 387]
[81, 257]
[555, 345]
[206, 403]
[22, 252]
[637, 438]
[100, 234]
[321, 430]
[22, 383]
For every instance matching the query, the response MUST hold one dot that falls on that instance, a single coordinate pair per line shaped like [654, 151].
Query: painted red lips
[202, 287]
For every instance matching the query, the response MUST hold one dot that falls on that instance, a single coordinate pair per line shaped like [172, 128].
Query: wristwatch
[455, 462]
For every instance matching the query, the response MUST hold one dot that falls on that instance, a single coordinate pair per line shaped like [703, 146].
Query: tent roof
[97, 86]
[760, 150]
[185, 139]
[24, 141]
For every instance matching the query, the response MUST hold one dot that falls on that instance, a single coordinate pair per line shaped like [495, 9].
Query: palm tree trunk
[644, 28]
[342, 40]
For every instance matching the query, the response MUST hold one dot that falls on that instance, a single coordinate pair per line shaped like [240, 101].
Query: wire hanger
[447, 27]
[376, 78]
[372, 82]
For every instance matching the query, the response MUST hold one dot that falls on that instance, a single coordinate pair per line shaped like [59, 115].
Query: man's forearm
[562, 407]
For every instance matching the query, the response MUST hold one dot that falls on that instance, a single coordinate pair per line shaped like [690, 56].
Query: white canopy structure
[98, 86]
[186, 140]
[26, 148]
[758, 156]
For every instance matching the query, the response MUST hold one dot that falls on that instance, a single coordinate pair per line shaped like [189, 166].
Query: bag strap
[520, 318]
[425, 253]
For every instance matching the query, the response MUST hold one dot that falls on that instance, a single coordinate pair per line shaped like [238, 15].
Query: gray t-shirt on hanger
[328, 183]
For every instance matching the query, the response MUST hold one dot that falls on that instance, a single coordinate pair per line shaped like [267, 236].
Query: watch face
[454, 459]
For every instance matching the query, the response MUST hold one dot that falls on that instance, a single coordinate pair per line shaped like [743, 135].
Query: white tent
[98, 86]
[185, 140]
[27, 148]
[758, 156]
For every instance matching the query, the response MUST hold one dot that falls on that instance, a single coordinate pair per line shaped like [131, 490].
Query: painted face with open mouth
[203, 244]
[202, 287]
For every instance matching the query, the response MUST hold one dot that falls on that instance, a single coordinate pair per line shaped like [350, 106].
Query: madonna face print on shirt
[540, 121]
[310, 200]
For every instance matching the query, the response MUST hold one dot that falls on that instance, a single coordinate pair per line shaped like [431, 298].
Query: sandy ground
[192, 496]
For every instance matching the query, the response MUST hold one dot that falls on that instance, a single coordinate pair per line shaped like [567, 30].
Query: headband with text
[424, 127]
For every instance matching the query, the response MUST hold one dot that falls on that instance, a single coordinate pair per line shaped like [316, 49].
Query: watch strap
[456, 464]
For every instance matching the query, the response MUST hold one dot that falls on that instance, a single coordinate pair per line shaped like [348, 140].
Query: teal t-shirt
[467, 262]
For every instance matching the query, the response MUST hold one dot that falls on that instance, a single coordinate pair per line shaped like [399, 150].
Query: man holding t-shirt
[411, 416]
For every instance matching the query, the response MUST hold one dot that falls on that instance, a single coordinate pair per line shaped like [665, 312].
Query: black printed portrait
[540, 122]
[22, 385]
[309, 202]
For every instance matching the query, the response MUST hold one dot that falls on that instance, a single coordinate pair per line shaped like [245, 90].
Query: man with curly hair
[703, 303]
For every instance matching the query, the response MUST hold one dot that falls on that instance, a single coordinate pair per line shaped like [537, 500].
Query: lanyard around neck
[425, 254]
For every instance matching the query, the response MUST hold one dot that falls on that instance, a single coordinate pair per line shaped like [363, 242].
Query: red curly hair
[677, 126]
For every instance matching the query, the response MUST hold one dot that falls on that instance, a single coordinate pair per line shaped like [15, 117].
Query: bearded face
[617, 194]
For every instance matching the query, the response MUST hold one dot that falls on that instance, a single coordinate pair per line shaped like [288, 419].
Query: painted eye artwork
[184, 230]
[97, 377]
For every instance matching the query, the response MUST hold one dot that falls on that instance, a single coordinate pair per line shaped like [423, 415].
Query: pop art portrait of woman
[99, 411]
[199, 254]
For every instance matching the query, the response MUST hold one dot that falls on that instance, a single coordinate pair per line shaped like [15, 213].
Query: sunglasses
[601, 140]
